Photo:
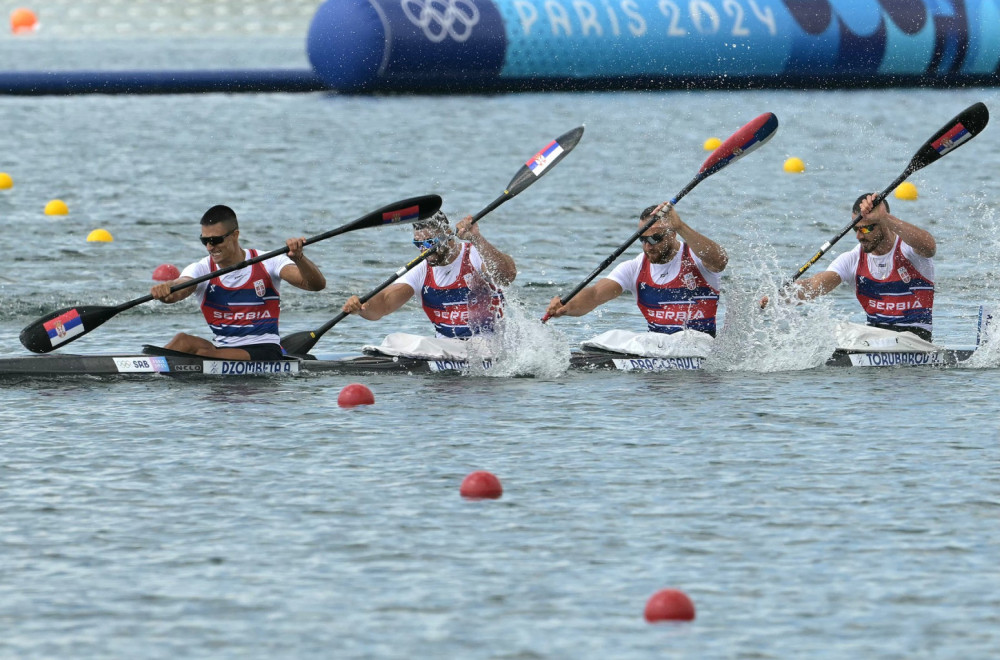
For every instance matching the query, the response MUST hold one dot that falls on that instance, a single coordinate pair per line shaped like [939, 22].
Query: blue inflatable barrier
[493, 45]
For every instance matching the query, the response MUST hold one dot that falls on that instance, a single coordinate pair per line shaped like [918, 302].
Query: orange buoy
[355, 394]
[23, 20]
[166, 272]
[669, 605]
[481, 485]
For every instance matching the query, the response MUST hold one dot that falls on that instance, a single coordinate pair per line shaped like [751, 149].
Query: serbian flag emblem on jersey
[544, 158]
[409, 214]
[953, 138]
[63, 327]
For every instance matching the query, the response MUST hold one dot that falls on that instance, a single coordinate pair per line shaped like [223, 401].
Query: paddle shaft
[319, 332]
[744, 141]
[843, 232]
[624, 246]
[228, 269]
[962, 128]
[83, 319]
[299, 343]
[117, 309]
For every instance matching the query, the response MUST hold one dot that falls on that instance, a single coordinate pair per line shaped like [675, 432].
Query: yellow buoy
[711, 144]
[6, 183]
[795, 166]
[100, 236]
[907, 191]
[56, 207]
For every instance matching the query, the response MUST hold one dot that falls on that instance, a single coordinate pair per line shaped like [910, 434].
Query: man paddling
[675, 281]
[459, 285]
[894, 282]
[241, 307]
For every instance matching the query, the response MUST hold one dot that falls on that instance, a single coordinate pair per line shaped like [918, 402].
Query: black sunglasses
[866, 229]
[653, 239]
[216, 240]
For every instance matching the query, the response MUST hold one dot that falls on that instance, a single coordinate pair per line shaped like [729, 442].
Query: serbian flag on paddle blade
[64, 327]
[950, 140]
[409, 214]
[544, 158]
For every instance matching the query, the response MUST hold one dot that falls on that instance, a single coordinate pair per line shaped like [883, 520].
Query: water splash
[782, 337]
[523, 346]
[984, 232]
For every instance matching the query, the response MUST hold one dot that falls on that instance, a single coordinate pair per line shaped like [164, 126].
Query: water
[808, 511]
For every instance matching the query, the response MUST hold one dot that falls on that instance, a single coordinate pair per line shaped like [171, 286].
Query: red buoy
[355, 394]
[669, 605]
[166, 272]
[481, 485]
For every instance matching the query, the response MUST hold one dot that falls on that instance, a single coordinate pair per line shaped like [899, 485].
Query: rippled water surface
[808, 511]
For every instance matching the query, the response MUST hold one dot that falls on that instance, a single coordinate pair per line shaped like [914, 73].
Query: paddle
[71, 323]
[968, 124]
[739, 144]
[300, 343]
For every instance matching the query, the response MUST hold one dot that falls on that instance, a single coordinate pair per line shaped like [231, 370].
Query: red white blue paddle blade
[966, 125]
[740, 143]
[543, 161]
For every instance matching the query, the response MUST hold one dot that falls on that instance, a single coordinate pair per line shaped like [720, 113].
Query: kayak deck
[159, 361]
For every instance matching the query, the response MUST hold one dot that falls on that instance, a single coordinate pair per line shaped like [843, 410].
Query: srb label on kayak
[657, 364]
[141, 365]
[248, 367]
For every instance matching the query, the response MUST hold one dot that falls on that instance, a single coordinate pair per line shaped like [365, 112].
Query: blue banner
[465, 43]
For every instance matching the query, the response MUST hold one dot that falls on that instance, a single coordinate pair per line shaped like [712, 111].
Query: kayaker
[675, 281]
[241, 307]
[894, 282]
[459, 285]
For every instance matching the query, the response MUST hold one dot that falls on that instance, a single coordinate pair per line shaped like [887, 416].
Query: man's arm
[162, 293]
[920, 240]
[812, 287]
[818, 285]
[302, 272]
[589, 299]
[499, 265]
[386, 301]
[712, 255]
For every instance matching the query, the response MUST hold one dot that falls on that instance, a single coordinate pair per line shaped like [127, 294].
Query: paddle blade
[411, 209]
[740, 143]
[299, 343]
[543, 161]
[966, 125]
[63, 326]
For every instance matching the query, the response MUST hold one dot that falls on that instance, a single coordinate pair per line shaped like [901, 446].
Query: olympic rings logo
[440, 19]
